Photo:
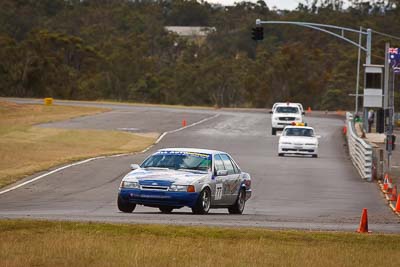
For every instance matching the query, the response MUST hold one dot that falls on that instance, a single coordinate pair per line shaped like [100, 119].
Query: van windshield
[285, 109]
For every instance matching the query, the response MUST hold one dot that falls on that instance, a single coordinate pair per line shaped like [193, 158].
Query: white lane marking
[103, 157]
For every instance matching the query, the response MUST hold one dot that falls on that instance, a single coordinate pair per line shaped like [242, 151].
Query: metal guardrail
[359, 150]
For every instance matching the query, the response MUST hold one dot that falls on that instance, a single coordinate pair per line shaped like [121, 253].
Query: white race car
[299, 140]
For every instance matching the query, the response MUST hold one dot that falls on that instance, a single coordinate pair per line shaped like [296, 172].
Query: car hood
[164, 176]
[298, 139]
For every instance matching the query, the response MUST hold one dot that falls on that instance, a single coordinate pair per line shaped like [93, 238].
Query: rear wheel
[238, 207]
[203, 202]
[273, 131]
[164, 209]
[125, 206]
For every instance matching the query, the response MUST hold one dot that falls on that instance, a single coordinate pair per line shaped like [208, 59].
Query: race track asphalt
[292, 192]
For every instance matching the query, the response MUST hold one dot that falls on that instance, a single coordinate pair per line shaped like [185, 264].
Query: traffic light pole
[389, 106]
[325, 28]
[329, 29]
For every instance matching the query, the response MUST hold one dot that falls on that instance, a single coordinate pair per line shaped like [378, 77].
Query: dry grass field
[43, 243]
[26, 149]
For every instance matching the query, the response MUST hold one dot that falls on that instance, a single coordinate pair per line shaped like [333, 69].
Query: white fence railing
[360, 151]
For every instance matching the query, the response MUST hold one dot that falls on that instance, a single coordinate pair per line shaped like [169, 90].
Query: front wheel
[203, 202]
[238, 207]
[125, 206]
[273, 131]
[280, 154]
[164, 209]
[315, 155]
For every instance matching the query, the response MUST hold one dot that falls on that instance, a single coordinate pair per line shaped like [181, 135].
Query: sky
[280, 4]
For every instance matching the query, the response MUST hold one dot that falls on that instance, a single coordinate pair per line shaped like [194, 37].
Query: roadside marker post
[48, 101]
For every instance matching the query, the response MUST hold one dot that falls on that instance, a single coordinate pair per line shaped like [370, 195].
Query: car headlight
[298, 119]
[178, 188]
[128, 184]
[311, 144]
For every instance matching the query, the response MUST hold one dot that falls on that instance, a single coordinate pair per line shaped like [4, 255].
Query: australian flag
[394, 59]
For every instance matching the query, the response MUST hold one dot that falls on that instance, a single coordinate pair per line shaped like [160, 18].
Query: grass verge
[44, 243]
[26, 149]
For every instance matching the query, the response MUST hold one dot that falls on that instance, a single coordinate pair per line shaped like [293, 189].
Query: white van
[285, 114]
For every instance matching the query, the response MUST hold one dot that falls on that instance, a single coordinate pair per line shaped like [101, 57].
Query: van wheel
[273, 131]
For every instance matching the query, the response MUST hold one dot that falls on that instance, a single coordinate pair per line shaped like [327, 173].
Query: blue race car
[176, 177]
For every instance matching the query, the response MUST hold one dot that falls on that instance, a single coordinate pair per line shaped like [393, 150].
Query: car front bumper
[282, 124]
[156, 198]
[299, 150]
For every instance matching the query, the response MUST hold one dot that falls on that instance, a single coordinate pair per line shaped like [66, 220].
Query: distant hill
[125, 50]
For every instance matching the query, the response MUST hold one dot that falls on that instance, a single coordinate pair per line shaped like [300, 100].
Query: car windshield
[179, 160]
[285, 109]
[299, 132]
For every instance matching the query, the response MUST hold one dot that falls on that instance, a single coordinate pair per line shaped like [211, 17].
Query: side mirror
[270, 112]
[135, 167]
[318, 136]
[304, 113]
[222, 173]
[278, 134]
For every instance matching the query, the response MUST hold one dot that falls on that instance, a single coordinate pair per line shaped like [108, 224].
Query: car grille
[298, 150]
[154, 187]
[287, 118]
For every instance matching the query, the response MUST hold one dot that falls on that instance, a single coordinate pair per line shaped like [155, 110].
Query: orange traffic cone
[386, 182]
[309, 110]
[363, 222]
[393, 195]
[389, 187]
[183, 123]
[397, 209]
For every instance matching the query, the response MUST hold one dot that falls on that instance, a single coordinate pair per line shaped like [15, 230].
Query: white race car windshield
[299, 132]
[179, 160]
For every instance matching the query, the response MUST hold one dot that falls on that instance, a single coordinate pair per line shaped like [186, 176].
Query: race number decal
[218, 191]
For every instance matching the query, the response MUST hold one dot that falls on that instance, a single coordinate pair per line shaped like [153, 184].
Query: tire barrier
[359, 150]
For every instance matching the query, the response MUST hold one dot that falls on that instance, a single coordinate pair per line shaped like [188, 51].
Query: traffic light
[257, 33]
